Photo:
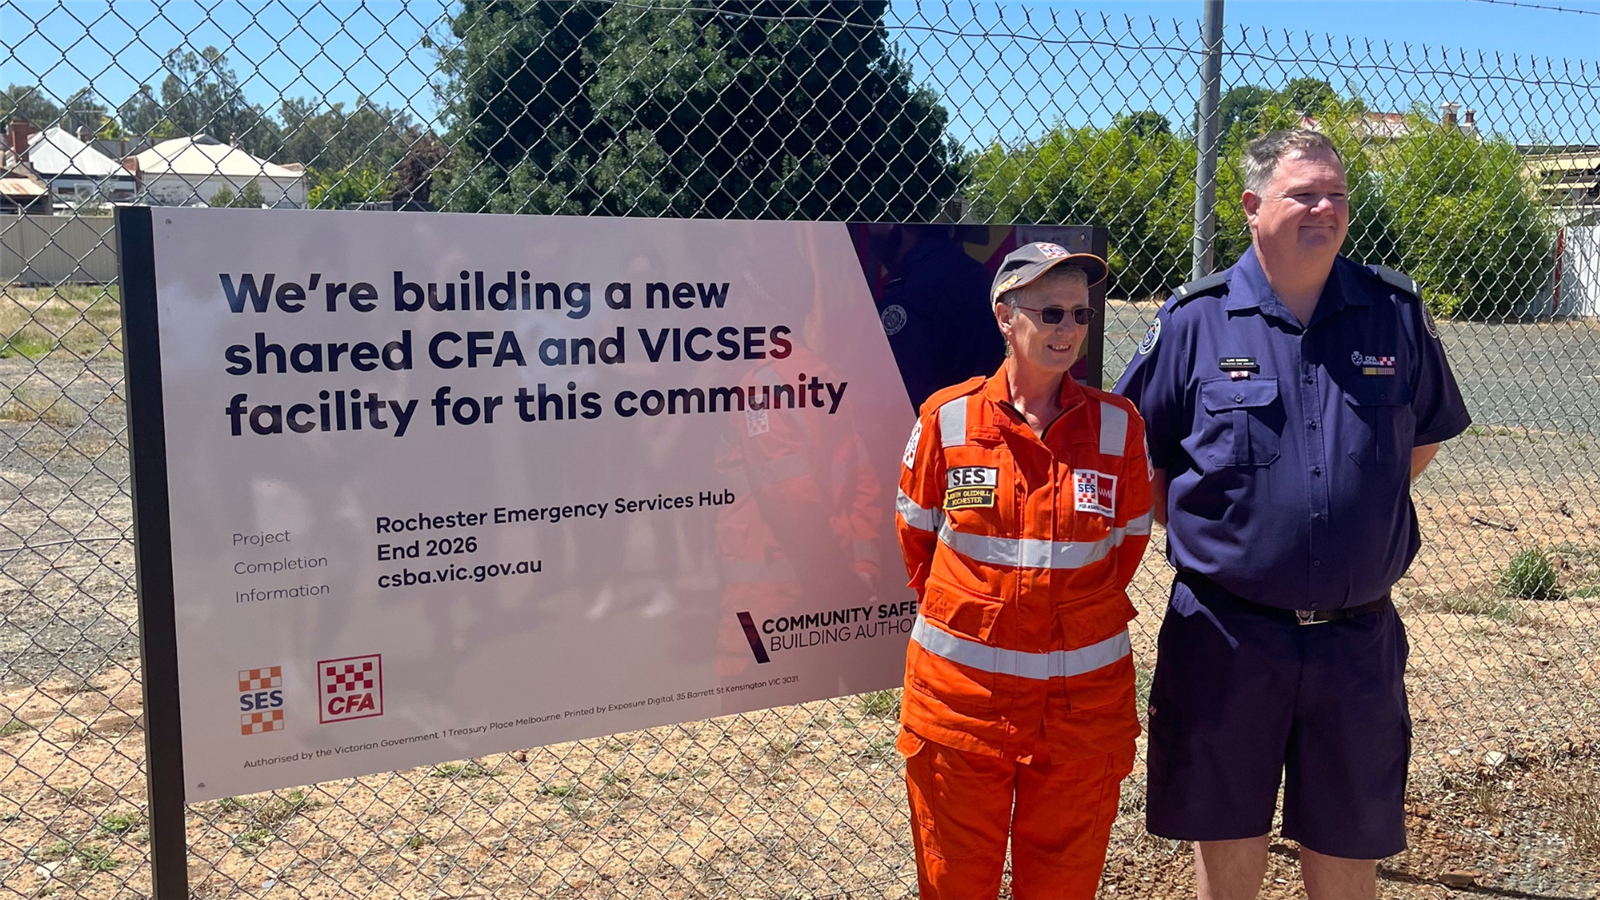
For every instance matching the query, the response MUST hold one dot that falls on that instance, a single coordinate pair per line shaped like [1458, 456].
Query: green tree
[249, 198]
[1146, 123]
[1241, 106]
[1469, 228]
[1139, 187]
[335, 139]
[29, 103]
[338, 188]
[201, 95]
[141, 114]
[716, 108]
[413, 174]
[83, 110]
[1310, 97]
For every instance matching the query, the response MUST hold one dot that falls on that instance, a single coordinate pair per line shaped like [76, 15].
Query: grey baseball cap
[1024, 265]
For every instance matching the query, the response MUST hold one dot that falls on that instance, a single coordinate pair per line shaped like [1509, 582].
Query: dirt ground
[807, 802]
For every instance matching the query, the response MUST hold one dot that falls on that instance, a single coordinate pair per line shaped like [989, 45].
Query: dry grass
[1575, 804]
[25, 404]
[66, 320]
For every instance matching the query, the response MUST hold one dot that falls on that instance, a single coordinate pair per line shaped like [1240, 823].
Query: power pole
[1206, 139]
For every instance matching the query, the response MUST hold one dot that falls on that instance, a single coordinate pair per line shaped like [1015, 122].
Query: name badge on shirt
[1238, 367]
[970, 487]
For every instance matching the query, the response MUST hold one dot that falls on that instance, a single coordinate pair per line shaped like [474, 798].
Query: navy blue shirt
[1288, 448]
[939, 319]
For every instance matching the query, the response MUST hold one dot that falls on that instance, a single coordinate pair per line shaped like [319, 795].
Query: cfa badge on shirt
[970, 487]
[1372, 365]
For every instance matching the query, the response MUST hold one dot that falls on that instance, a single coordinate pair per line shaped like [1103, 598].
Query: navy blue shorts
[1243, 695]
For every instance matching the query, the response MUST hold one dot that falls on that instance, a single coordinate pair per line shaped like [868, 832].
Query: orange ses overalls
[1018, 712]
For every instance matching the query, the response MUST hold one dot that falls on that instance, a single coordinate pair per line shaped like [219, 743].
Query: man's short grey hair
[1262, 155]
[1063, 272]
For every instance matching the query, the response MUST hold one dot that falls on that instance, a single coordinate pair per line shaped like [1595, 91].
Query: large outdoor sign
[414, 487]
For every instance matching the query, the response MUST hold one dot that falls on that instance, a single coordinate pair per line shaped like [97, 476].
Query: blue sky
[996, 84]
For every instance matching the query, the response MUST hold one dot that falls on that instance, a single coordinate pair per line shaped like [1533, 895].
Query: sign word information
[442, 485]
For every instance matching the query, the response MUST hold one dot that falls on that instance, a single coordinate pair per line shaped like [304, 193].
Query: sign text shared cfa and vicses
[349, 409]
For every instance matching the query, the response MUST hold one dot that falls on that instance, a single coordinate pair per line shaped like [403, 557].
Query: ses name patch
[970, 487]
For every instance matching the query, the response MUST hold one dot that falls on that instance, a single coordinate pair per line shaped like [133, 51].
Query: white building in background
[192, 170]
[78, 174]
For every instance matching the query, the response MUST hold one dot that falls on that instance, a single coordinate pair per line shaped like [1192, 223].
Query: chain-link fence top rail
[1464, 167]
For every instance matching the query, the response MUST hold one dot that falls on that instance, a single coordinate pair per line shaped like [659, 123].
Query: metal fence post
[1205, 168]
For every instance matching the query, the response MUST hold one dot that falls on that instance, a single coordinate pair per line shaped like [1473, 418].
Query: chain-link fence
[1473, 173]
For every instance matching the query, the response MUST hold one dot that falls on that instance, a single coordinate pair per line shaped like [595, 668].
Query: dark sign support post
[1095, 352]
[152, 529]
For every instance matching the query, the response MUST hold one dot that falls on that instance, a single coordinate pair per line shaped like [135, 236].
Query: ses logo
[349, 688]
[261, 700]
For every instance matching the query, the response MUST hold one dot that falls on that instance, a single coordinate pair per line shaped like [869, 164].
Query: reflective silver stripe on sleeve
[917, 517]
[1029, 553]
[1038, 666]
[1113, 428]
[1138, 525]
[864, 551]
[953, 423]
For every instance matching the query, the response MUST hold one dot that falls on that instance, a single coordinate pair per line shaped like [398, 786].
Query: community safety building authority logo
[349, 688]
[260, 700]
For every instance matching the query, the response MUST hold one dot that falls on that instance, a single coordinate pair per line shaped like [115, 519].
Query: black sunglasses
[1052, 315]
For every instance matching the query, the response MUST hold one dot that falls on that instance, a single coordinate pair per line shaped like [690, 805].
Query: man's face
[1304, 214]
[1052, 348]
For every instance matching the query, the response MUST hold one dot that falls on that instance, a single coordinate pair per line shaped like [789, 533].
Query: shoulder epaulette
[1200, 287]
[944, 395]
[1398, 280]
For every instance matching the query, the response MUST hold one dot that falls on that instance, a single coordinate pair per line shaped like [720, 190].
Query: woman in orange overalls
[1024, 509]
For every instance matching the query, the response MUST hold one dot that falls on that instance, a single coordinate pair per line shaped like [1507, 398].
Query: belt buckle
[1308, 617]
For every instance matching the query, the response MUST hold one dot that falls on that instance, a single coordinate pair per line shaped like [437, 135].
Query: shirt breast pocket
[1243, 422]
[1381, 422]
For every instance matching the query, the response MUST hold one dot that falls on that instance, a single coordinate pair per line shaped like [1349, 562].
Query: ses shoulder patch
[1150, 337]
[910, 458]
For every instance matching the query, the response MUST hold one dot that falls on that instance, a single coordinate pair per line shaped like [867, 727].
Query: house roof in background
[202, 155]
[56, 151]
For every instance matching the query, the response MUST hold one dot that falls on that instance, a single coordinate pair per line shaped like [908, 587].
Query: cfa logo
[350, 687]
[261, 700]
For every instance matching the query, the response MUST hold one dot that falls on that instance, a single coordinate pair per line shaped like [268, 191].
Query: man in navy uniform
[1290, 401]
[936, 308]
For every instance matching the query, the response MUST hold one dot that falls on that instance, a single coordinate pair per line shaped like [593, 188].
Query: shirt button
[1316, 470]
[1316, 563]
[1238, 398]
[1311, 425]
[1311, 379]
